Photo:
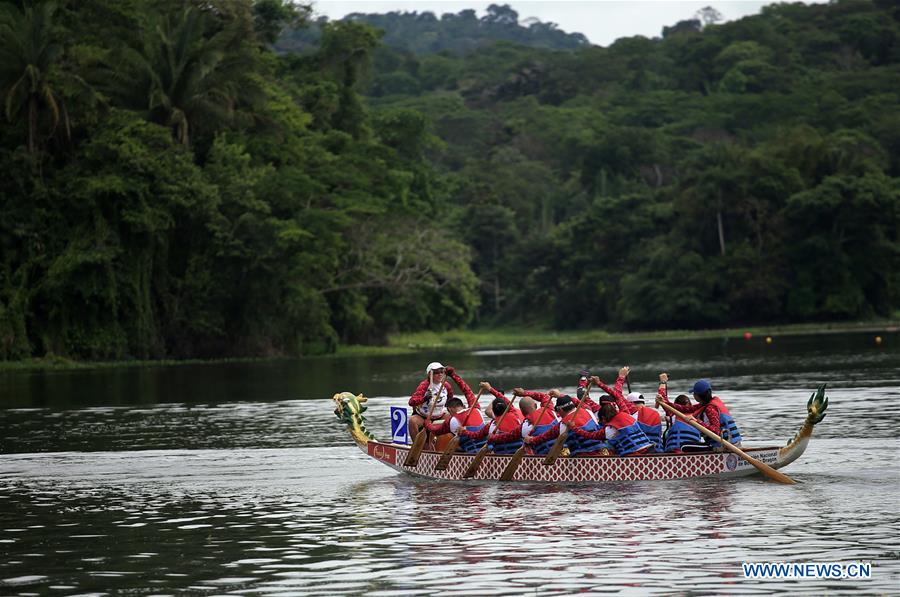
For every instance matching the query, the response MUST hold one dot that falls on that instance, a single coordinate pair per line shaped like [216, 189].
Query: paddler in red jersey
[710, 412]
[619, 429]
[614, 392]
[622, 432]
[539, 418]
[647, 418]
[433, 387]
[581, 424]
[461, 417]
[678, 433]
[504, 434]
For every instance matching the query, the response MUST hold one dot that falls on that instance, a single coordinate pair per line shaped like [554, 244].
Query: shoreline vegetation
[482, 339]
[177, 187]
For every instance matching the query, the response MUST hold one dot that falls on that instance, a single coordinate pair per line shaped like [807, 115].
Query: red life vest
[648, 416]
[546, 417]
[629, 439]
[719, 405]
[583, 418]
[511, 422]
[621, 420]
[470, 418]
[727, 427]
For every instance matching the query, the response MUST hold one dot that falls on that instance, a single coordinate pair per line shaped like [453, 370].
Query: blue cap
[702, 386]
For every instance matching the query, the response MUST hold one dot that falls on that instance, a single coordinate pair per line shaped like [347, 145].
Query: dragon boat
[350, 408]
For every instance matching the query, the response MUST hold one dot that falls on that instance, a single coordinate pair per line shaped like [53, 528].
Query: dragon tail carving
[815, 408]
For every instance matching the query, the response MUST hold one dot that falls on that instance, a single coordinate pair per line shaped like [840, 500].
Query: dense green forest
[175, 184]
[426, 33]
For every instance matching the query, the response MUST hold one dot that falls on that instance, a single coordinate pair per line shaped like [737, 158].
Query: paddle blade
[557, 448]
[510, 471]
[452, 445]
[769, 472]
[412, 458]
[476, 463]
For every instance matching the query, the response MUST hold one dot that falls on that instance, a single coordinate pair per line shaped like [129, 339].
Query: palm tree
[181, 76]
[29, 53]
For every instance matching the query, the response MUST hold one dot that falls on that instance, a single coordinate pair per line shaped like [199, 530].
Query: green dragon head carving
[349, 410]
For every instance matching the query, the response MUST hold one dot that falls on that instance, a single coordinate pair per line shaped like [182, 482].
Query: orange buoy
[747, 335]
[877, 339]
[768, 339]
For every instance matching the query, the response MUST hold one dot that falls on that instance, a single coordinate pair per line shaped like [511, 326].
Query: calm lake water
[237, 479]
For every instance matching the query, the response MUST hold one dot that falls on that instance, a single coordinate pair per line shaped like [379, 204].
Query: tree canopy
[180, 182]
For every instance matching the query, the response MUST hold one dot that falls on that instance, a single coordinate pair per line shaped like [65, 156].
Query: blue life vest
[543, 447]
[728, 430]
[507, 448]
[470, 445]
[680, 434]
[653, 433]
[629, 438]
[582, 445]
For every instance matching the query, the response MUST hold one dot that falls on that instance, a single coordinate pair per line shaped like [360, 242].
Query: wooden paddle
[511, 468]
[560, 443]
[476, 462]
[764, 468]
[412, 457]
[453, 444]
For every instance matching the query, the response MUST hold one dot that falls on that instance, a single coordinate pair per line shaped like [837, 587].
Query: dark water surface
[235, 479]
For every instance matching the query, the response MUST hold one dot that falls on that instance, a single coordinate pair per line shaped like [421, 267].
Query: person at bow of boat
[710, 412]
[504, 434]
[678, 433]
[581, 424]
[434, 387]
[539, 418]
[461, 417]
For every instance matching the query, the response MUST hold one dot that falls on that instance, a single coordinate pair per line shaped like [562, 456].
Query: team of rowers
[616, 425]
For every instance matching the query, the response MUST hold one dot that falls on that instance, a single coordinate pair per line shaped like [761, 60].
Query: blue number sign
[399, 420]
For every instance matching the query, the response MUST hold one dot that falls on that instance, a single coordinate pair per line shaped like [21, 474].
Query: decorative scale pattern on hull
[578, 470]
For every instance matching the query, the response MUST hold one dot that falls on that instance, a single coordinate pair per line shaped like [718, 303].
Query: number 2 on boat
[399, 425]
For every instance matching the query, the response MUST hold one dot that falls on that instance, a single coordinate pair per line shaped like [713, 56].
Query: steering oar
[764, 468]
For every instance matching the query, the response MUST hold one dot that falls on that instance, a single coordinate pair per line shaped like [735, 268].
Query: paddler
[461, 417]
[614, 392]
[539, 417]
[622, 432]
[433, 387]
[679, 434]
[619, 429]
[710, 412]
[581, 424]
[504, 434]
[648, 419]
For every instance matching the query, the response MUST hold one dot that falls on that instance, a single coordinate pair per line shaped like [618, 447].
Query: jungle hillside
[199, 179]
